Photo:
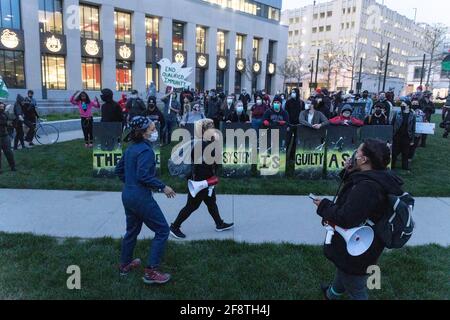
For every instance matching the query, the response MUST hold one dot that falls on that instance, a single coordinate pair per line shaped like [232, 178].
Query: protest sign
[107, 150]
[310, 154]
[341, 142]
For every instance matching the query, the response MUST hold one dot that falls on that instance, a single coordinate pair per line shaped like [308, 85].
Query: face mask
[365, 96]
[377, 112]
[276, 107]
[307, 106]
[347, 114]
[259, 102]
[240, 110]
[293, 95]
[229, 101]
[154, 136]
[263, 93]
[151, 106]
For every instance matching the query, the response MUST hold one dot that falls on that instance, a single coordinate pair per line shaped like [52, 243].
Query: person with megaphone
[201, 183]
[350, 243]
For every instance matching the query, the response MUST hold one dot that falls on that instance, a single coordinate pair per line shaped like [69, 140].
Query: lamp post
[386, 66]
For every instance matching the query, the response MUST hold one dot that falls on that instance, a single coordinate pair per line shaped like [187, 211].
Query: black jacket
[136, 107]
[155, 115]
[363, 197]
[427, 107]
[213, 108]
[3, 124]
[397, 123]
[234, 117]
[202, 171]
[294, 107]
[111, 112]
[373, 120]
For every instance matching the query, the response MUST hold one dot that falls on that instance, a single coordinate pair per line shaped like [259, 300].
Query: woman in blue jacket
[137, 170]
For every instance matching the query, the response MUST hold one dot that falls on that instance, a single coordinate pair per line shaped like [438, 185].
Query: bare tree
[351, 59]
[434, 39]
[331, 60]
[295, 67]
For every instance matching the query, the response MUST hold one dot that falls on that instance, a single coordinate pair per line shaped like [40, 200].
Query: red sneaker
[126, 269]
[153, 276]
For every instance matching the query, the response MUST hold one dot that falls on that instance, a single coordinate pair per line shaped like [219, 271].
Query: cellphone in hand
[313, 197]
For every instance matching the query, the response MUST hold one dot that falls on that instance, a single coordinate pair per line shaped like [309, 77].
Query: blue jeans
[141, 208]
[257, 123]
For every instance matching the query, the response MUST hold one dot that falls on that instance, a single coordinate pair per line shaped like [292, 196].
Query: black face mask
[378, 112]
[365, 96]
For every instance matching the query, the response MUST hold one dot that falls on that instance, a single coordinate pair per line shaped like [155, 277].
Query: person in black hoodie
[428, 107]
[5, 142]
[404, 124]
[201, 170]
[294, 106]
[111, 110]
[154, 114]
[213, 108]
[378, 117]
[364, 196]
[18, 122]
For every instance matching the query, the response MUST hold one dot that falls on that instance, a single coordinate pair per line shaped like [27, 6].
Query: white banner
[174, 75]
[425, 128]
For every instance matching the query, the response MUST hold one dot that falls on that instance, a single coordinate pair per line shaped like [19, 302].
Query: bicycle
[46, 134]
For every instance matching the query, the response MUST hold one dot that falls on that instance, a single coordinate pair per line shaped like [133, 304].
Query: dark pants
[18, 125]
[87, 126]
[412, 150]
[170, 126]
[31, 124]
[5, 147]
[447, 130]
[401, 146]
[291, 142]
[194, 203]
[141, 208]
[354, 286]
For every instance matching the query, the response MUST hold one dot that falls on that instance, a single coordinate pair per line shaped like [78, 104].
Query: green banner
[272, 160]
[107, 150]
[237, 154]
[341, 142]
[310, 154]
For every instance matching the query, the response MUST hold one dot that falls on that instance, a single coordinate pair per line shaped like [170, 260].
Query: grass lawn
[68, 166]
[33, 267]
[65, 116]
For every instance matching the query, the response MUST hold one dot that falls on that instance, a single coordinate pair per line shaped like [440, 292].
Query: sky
[430, 11]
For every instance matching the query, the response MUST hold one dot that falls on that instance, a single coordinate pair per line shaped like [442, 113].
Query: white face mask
[346, 114]
[154, 136]
[259, 102]
[239, 110]
[229, 101]
[293, 95]
[307, 106]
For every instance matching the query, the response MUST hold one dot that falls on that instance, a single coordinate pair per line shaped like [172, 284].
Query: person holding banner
[378, 118]
[258, 110]
[364, 196]
[238, 114]
[228, 108]
[346, 119]
[428, 107]
[275, 116]
[404, 123]
[137, 169]
[312, 118]
[202, 170]
[172, 111]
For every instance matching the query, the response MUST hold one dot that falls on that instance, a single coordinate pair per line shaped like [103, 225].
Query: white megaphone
[358, 239]
[196, 186]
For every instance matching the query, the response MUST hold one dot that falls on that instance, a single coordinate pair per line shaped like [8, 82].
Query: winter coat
[274, 117]
[234, 117]
[135, 107]
[156, 115]
[294, 107]
[374, 120]
[3, 124]
[397, 121]
[213, 108]
[342, 121]
[318, 118]
[258, 111]
[111, 111]
[363, 197]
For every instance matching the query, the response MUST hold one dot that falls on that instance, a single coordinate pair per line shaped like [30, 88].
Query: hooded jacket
[398, 120]
[18, 111]
[294, 107]
[111, 111]
[362, 197]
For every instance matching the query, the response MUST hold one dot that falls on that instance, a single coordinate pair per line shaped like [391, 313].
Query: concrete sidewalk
[258, 219]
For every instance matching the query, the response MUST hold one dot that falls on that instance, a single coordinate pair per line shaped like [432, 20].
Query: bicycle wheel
[47, 134]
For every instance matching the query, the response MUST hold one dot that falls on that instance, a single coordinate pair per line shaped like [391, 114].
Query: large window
[54, 72]
[220, 43]
[122, 22]
[178, 36]
[124, 80]
[50, 16]
[89, 22]
[91, 73]
[152, 31]
[200, 44]
[12, 68]
[10, 14]
[240, 46]
[255, 49]
[149, 76]
[249, 6]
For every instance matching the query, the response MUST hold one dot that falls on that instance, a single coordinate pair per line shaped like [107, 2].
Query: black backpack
[396, 227]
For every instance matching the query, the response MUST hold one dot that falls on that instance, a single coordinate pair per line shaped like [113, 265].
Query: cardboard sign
[425, 128]
[174, 75]
[107, 150]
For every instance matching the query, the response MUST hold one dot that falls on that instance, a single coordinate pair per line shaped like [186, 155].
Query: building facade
[56, 47]
[346, 31]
